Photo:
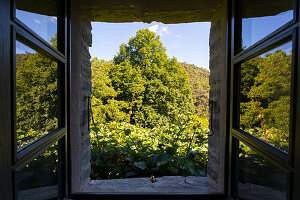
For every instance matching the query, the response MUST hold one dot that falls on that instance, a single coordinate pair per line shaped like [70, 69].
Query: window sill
[161, 185]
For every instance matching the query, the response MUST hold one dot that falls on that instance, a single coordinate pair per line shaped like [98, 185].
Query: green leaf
[192, 171]
[20, 137]
[95, 129]
[142, 165]
[129, 174]
[129, 159]
[185, 140]
[127, 131]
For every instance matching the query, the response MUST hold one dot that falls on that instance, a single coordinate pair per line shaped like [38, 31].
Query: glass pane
[260, 18]
[36, 94]
[38, 179]
[265, 96]
[40, 16]
[259, 179]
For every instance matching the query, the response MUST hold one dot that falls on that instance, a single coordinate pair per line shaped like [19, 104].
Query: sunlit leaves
[265, 97]
[120, 150]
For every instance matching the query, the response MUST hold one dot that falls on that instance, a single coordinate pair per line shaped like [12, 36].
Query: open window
[37, 87]
[263, 92]
[254, 149]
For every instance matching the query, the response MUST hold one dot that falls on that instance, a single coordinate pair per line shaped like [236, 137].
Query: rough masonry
[81, 89]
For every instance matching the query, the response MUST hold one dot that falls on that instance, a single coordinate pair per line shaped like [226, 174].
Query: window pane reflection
[40, 16]
[265, 96]
[38, 179]
[260, 18]
[36, 94]
[258, 178]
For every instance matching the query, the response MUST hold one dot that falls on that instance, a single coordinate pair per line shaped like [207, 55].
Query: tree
[36, 96]
[144, 76]
[199, 81]
[105, 107]
[265, 97]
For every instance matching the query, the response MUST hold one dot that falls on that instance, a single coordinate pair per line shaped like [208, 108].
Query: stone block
[214, 63]
[215, 94]
[86, 156]
[215, 29]
[87, 35]
[86, 69]
[215, 45]
[85, 50]
[83, 117]
[85, 138]
[214, 78]
[87, 88]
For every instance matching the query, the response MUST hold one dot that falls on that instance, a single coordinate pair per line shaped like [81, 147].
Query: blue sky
[287, 47]
[44, 26]
[187, 42]
[254, 29]
[22, 48]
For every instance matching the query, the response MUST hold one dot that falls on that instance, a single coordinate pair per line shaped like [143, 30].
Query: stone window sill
[161, 185]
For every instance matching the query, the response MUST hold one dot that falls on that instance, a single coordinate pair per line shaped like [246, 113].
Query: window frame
[285, 161]
[20, 157]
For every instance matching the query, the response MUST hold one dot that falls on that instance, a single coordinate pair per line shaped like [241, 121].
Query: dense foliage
[265, 97]
[199, 81]
[121, 150]
[36, 96]
[142, 82]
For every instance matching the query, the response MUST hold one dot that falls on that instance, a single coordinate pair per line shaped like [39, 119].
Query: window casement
[263, 99]
[38, 92]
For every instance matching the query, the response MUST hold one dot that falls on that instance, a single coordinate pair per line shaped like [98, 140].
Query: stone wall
[217, 93]
[80, 93]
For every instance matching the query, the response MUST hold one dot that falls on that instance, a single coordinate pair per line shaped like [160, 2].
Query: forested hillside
[199, 81]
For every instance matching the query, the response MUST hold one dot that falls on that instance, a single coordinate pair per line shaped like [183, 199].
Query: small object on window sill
[152, 179]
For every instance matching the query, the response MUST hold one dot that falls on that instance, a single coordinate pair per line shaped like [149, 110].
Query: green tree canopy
[105, 107]
[265, 97]
[36, 96]
[143, 74]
